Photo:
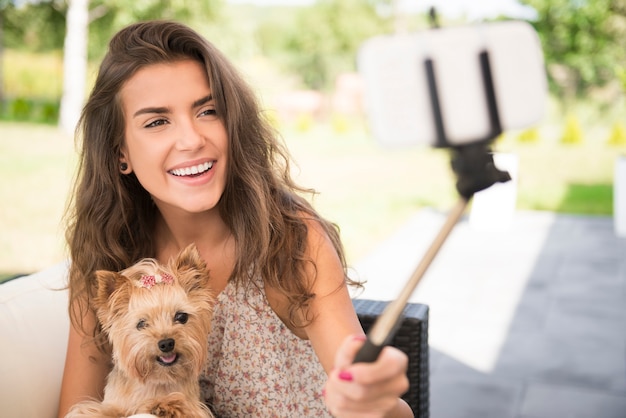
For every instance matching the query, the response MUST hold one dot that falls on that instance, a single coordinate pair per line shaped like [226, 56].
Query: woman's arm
[373, 389]
[86, 368]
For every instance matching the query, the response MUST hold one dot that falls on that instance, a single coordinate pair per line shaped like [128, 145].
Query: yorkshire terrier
[157, 319]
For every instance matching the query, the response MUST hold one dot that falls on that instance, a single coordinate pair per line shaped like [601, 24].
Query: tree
[323, 39]
[4, 4]
[74, 64]
[584, 42]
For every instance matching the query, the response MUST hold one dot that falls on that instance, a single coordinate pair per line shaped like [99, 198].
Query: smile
[167, 360]
[193, 170]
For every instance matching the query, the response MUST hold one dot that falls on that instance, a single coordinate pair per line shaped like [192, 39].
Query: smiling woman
[175, 143]
[176, 151]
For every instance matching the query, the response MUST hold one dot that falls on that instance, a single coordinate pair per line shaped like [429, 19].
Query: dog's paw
[176, 405]
[172, 406]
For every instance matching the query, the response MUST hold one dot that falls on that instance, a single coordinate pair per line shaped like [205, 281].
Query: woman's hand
[367, 389]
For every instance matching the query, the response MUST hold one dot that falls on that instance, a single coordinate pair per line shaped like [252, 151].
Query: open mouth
[193, 171]
[167, 359]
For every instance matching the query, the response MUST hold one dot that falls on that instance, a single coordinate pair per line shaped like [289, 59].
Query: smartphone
[398, 98]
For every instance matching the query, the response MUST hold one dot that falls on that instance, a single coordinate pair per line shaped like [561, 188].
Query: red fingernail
[359, 338]
[347, 376]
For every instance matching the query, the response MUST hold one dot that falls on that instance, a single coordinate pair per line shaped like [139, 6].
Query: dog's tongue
[168, 358]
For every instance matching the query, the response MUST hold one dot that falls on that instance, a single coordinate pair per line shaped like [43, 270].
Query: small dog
[157, 319]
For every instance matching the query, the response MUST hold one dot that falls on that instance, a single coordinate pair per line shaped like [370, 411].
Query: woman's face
[175, 142]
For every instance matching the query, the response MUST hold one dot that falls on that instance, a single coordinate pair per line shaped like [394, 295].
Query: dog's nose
[166, 345]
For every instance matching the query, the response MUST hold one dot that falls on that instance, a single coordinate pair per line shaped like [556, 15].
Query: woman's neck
[176, 230]
[213, 238]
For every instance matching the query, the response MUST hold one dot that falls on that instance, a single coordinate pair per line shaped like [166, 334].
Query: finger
[372, 381]
[343, 405]
[360, 392]
[347, 350]
[392, 363]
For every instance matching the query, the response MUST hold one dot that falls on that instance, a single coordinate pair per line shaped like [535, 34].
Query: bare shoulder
[322, 252]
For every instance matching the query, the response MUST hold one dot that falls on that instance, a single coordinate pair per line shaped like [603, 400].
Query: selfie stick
[475, 170]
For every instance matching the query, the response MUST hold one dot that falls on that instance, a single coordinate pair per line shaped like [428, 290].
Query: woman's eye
[141, 324]
[208, 112]
[158, 122]
[181, 317]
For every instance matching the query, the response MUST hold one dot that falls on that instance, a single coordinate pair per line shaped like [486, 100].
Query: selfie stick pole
[473, 164]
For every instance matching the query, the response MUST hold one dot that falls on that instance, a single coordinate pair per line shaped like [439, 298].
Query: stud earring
[123, 167]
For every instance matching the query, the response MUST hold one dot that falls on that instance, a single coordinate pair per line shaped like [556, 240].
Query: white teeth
[196, 169]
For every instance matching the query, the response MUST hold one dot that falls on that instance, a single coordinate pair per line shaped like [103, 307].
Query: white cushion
[34, 325]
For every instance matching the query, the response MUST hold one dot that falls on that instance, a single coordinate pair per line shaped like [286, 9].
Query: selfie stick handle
[386, 325]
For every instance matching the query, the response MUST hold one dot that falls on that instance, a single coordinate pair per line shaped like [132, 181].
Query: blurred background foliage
[302, 53]
[584, 41]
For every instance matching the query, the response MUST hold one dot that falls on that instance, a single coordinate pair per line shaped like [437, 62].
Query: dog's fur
[147, 325]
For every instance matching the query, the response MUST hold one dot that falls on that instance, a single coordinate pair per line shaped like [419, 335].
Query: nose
[166, 345]
[189, 137]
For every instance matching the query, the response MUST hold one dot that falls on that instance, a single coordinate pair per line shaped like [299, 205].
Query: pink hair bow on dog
[149, 280]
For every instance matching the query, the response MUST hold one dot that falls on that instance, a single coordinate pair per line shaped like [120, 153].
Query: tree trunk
[74, 64]
[1, 59]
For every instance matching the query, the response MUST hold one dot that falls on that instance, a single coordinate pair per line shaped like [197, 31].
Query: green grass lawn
[369, 191]
[36, 165]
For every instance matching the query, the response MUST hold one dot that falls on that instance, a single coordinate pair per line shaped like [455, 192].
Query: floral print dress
[256, 366]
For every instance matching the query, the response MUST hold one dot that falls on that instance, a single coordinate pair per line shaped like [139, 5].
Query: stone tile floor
[525, 322]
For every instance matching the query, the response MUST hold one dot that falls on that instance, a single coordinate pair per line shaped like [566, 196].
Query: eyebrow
[203, 101]
[148, 110]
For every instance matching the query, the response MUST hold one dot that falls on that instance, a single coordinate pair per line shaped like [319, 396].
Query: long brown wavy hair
[111, 217]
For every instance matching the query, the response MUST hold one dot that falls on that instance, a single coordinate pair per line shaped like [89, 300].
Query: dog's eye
[181, 317]
[141, 324]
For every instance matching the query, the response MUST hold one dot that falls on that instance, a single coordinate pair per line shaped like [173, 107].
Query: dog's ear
[188, 261]
[106, 283]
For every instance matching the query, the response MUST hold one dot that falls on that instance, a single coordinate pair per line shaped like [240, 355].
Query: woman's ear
[125, 167]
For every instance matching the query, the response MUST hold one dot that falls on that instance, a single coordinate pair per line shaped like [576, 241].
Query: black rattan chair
[412, 338]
